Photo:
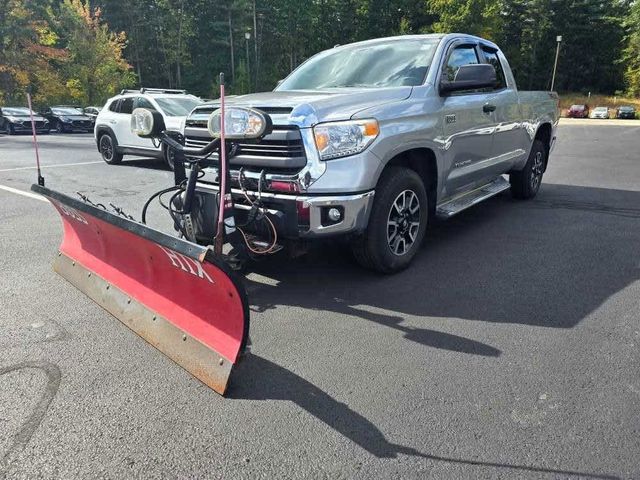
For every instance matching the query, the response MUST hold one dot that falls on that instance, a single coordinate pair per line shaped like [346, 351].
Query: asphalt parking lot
[510, 349]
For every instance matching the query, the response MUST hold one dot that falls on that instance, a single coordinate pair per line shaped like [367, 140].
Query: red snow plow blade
[175, 294]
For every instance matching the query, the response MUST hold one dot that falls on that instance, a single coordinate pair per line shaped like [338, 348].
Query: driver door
[468, 127]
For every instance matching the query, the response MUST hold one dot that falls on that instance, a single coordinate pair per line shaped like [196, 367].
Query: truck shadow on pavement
[549, 262]
[282, 384]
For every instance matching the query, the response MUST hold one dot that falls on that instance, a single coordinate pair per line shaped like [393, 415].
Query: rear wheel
[108, 149]
[397, 224]
[526, 182]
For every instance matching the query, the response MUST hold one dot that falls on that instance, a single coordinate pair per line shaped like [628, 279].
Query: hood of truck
[307, 108]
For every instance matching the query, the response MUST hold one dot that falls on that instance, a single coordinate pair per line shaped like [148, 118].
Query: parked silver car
[600, 112]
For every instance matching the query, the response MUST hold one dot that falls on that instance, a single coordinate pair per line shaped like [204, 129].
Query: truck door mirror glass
[470, 77]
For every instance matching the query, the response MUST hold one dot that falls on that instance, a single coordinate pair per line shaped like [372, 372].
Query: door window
[126, 105]
[141, 102]
[462, 55]
[113, 107]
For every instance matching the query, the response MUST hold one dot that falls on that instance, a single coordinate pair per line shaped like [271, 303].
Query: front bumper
[304, 216]
[21, 127]
[77, 127]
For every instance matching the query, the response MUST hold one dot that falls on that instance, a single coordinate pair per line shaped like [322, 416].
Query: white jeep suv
[113, 124]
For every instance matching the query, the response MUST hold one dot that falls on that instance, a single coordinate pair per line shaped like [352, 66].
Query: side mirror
[146, 123]
[240, 123]
[471, 77]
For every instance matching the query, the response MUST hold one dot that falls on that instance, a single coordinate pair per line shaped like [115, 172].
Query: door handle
[488, 108]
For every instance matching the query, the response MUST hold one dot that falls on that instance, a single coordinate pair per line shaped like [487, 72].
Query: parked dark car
[68, 119]
[17, 119]
[92, 111]
[578, 111]
[626, 111]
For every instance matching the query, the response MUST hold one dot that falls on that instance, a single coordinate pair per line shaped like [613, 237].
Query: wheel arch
[544, 133]
[422, 161]
[102, 130]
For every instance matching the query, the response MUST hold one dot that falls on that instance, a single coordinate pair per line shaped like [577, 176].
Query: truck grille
[282, 149]
[265, 148]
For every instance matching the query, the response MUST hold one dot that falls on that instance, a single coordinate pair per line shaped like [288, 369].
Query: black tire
[169, 157]
[526, 182]
[107, 146]
[9, 129]
[379, 248]
[59, 127]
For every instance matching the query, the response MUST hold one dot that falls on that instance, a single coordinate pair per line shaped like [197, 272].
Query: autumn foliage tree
[62, 50]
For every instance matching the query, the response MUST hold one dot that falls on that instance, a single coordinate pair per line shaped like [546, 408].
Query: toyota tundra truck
[372, 140]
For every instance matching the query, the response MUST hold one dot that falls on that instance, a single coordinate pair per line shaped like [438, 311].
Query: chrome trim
[240, 206]
[357, 208]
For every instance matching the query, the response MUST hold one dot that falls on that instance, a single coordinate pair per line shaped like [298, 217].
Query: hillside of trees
[79, 51]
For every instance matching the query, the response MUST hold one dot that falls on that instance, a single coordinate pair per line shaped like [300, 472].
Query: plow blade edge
[175, 294]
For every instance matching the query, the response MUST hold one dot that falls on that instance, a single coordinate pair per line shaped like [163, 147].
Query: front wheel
[397, 224]
[526, 182]
[108, 150]
[59, 127]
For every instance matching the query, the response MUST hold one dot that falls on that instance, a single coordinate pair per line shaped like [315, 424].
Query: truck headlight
[340, 139]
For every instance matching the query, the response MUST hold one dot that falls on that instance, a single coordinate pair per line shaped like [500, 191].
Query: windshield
[626, 109]
[391, 63]
[66, 111]
[16, 111]
[177, 107]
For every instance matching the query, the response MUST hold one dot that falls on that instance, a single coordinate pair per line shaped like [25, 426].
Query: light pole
[555, 64]
[247, 37]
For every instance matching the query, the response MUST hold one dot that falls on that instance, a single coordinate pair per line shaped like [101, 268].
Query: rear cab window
[491, 57]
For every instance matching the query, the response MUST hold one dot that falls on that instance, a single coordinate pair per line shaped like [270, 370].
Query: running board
[458, 204]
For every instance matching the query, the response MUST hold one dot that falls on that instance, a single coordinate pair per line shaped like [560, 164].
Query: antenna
[35, 138]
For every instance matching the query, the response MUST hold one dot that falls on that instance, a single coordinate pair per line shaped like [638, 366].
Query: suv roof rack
[154, 90]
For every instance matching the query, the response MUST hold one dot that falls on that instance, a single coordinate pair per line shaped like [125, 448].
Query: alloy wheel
[403, 222]
[536, 171]
[106, 147]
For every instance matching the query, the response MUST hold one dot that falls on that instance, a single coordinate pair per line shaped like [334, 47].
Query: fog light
[334, 214]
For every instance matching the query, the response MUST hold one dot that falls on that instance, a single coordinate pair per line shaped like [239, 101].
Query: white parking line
[35, 196]
[49, 166]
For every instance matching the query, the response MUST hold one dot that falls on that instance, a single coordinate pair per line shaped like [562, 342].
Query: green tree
[27, 50]
[631, 52]
[477, 17]
[95, 68]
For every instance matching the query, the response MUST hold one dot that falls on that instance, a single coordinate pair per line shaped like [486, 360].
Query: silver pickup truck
[371, 140]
